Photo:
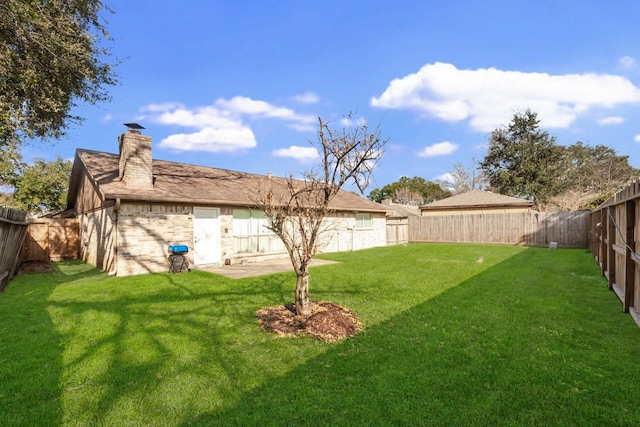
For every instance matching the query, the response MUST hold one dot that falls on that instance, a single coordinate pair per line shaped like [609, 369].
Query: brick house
[131, 208]
[476, 202]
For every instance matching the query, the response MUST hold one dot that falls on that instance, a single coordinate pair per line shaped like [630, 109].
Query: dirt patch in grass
[327, 321]
[35, 267]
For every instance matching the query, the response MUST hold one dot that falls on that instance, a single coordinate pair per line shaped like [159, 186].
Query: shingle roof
[398, 210]
[477, 198]
[184, 183]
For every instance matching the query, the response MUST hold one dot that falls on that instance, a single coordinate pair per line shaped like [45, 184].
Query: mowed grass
[527, 337]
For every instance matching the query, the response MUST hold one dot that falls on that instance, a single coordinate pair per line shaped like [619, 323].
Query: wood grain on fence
[568, 229]
[615, 243]
[13, 230]
[397, 231]
[52, 240]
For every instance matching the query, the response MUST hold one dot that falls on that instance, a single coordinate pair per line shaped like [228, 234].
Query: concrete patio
[252, 269]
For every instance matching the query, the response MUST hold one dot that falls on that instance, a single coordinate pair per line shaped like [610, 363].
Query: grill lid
[178, 249]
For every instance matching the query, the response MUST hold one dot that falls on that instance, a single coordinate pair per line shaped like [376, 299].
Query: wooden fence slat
[617, 223]
[13, 231]
[568, 229]
[52, 240]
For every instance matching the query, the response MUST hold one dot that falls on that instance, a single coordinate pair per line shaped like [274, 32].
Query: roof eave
[217, 202]
[523, 205]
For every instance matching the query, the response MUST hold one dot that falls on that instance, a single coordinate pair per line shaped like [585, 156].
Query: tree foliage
[10, 162]
[296, 208]
[523, 160]
[599, 168]
[42, 186]
[52, 55]
[590, 176]
[414, 191]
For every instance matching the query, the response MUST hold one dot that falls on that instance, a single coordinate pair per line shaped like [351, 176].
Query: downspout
[116, 209]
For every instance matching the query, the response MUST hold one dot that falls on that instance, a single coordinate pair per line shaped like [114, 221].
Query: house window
[363, 221]
[250, 233]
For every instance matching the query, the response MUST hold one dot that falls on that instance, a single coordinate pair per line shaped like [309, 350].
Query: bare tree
[467, 178]
[407, 196]
[296, 208]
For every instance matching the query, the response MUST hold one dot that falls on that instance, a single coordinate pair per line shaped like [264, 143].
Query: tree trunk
[302, 294]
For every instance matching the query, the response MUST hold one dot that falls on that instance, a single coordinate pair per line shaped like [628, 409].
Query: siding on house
[478, 211]
[97, 238]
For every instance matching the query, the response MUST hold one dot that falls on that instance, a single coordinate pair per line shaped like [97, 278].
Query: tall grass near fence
[528, 336]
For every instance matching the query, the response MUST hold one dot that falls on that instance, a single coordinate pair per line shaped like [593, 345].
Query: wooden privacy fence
[397, 231]
[615, 243]
[568, 229]
[13, 230]
[52, 240]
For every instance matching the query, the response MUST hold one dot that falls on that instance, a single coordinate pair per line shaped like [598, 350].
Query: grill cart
[177, 259]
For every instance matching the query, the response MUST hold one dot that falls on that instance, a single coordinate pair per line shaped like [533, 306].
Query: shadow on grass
[534, 340]
[157, 343]
[31, 355]
[79, 347]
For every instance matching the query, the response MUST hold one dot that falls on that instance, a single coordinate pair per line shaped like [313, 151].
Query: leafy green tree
[524, 160]
[591, 175]
[10, 162]
[52, 55]
[42, 187]
[410, 191]
[599, 168]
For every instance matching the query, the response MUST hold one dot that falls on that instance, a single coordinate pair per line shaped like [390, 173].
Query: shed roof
[190, 184]
[477, 199]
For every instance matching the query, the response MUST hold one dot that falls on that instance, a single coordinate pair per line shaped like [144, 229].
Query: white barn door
[206, 236]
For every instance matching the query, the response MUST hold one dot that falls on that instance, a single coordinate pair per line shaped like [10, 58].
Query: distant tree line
[414, 191]
[525, 161]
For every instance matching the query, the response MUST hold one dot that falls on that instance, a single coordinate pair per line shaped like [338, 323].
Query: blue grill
[178, 249]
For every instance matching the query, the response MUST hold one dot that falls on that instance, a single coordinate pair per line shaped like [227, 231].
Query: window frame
[364, 221]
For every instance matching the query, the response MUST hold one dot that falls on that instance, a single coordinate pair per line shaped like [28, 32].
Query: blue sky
[240, 84]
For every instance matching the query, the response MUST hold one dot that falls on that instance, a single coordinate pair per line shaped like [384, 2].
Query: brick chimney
[135, 159]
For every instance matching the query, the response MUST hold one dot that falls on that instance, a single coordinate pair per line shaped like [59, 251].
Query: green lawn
[528, 337]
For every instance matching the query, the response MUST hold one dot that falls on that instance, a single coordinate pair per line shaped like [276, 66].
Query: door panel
[206, 234]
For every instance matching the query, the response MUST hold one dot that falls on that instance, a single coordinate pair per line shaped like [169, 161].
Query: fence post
[611, 253]
[630, 270]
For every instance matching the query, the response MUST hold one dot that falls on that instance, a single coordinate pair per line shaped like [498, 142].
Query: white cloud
[637, 138]
[613, 120]
[199, 117]
[220, 127]
[445, 177]
[439, 149]
[255, 108]
[299, 153]
[628, 62]
[210, 139]
[106, 118]
[488, 97]
[353, 121]
[307, 98]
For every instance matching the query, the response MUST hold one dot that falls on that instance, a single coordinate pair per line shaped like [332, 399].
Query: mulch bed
[34, 267]
[327, 321]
